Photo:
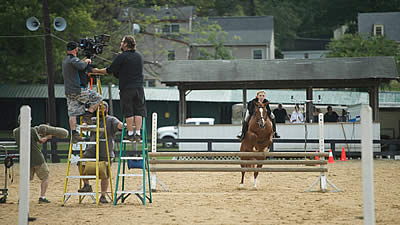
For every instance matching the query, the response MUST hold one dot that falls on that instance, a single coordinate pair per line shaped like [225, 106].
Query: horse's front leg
[256, 175]
[241, 183]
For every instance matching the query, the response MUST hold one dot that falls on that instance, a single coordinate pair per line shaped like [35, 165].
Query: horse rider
[251, 107]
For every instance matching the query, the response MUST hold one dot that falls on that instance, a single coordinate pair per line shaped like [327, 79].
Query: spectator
[331, 116]
[280, 114]
[316, 112]
[345, 116]
[297, 116]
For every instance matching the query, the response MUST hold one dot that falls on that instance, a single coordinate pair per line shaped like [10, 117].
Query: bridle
[261, 121]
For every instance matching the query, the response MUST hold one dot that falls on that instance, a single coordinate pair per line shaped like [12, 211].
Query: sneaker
[87, 118]
[76, 137]
[43, 200]
[103, 199]
[137, 137]
[130, 137]
[86, 188]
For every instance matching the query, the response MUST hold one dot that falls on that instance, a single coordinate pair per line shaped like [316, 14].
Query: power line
[23, 36]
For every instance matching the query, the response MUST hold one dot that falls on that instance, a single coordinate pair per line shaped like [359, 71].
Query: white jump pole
[323, 180]
[322, 149]
[154, 147]
[154, 133]
[154, 179]
[24, 164]
[367, 165]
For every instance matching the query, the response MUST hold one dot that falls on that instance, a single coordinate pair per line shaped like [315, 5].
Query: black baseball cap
[72, 45]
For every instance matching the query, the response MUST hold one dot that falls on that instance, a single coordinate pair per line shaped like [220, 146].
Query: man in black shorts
[128, 67]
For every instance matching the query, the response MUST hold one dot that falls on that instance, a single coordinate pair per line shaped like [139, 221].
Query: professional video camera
[94, 46]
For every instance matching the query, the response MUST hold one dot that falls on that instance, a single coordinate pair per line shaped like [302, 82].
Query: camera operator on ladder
[128, 67]
[78, 95]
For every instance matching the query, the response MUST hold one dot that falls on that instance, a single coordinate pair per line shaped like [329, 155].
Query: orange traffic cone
[316, 157]
[343, 156]
[330, 160]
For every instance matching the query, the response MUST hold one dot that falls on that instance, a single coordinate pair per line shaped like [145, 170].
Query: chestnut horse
[258, 138]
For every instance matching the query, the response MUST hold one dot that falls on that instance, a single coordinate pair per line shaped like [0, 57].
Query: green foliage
[287, 19]
[353, 45]
[22, 52]
[210, 34]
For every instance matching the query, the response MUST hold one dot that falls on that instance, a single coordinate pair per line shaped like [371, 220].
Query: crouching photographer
[39, 135]
[81, 101]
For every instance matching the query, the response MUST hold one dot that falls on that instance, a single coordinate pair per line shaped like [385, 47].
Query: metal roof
[390, 20]
[279, 73]
[386, 99]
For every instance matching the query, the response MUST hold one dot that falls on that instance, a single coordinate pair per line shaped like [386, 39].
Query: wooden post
[367, 165]
[51, 100]
[24, 164]
[244, 103]
[309, 98]
[182, 106]
[110, 99]
[374, 102]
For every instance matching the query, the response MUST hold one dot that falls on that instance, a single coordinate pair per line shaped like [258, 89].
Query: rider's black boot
[274, 128]
[245, 126]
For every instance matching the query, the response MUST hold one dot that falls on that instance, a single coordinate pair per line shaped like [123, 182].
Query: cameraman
[128, 67]
[76, 90]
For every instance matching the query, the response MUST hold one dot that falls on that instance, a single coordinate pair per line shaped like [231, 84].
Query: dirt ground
[215, 198]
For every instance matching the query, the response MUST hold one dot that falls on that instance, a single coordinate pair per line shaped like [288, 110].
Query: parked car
[171, 132]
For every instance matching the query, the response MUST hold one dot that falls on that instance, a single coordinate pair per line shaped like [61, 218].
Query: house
[306, 48]
[174, 33]
[162, 35]
[247, 37]
[380, 24]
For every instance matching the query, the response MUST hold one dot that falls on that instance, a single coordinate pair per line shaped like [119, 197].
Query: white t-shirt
[297, 117]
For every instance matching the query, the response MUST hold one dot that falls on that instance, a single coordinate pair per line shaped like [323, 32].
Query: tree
[321, 17]
[22, 51]
[212, 34]
[156, 44]
[354, 45]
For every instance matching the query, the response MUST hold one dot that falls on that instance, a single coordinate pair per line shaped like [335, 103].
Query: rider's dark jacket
[251, 106]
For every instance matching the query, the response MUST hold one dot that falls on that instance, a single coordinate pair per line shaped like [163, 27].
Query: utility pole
[51, 101]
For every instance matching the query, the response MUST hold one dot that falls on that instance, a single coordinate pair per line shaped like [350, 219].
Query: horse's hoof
[241, 187]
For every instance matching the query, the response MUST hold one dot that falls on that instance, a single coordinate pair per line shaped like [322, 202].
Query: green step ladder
[123, 159]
